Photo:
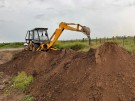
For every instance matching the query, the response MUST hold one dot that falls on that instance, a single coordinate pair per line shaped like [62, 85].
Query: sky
[106, 18]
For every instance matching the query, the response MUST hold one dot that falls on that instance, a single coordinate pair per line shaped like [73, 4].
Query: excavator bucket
[86, 31]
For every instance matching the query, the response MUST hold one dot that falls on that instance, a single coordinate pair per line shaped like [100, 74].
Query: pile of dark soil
[104, 74]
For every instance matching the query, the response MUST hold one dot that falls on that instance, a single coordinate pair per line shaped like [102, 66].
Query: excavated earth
[103, 74]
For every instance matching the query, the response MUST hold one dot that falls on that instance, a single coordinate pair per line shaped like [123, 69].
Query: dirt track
[104, 74]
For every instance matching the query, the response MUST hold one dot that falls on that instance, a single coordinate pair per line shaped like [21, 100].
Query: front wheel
[35, 47]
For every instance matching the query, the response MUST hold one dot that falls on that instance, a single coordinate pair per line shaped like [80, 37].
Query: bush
[77, 46]
[21, 81]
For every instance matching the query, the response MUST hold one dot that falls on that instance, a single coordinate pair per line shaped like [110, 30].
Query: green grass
[76, 45]
[128, 43]
[28, 98]
[83, 45]
[22, 81]
[12, 45]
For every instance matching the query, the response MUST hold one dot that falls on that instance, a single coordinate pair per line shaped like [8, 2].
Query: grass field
[128, 43]
[11, 45]
[83, 45]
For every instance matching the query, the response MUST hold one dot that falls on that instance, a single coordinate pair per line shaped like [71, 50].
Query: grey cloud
[50, 8]
[42, 15]
[42, 0]
[2, 21]
[29, 2]
[2, 3]
[39, 16]
[122, 3]
[132, 4]
[103, 16]
[2, 6]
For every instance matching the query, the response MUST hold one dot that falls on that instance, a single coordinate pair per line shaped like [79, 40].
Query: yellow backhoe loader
[38, 39]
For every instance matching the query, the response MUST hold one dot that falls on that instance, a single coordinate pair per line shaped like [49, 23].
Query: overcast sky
[106, 18]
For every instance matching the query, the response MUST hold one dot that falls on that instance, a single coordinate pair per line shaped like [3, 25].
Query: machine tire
[34, 47]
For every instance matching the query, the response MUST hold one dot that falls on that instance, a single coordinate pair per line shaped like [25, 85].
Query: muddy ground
[103, 74]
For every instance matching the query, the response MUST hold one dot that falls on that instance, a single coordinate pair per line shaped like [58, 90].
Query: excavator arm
[67, 26]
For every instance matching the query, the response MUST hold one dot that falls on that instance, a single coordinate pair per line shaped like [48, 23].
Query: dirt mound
[115, 73]
[104, 74]
[6, 55]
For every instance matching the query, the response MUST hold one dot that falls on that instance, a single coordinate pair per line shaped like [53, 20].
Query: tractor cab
[36, 36]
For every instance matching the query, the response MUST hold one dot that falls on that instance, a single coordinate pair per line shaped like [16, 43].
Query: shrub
[77, 46]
